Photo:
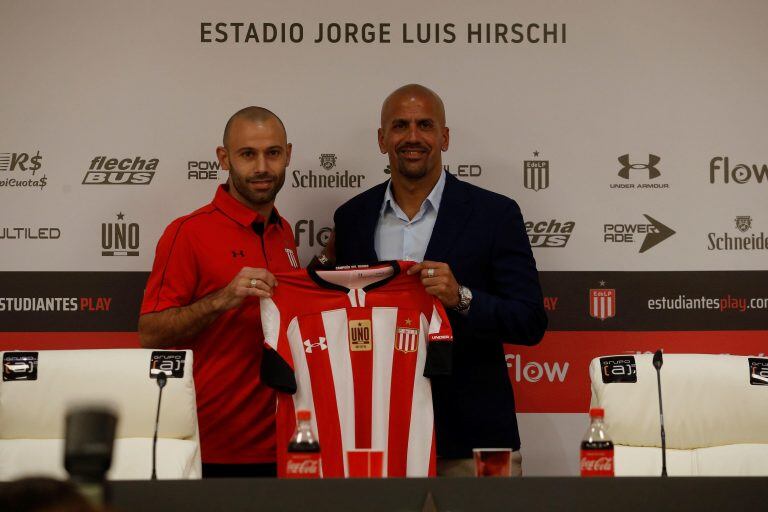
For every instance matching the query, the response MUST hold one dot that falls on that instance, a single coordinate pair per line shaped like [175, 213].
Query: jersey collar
[331, 286]
[240, 213]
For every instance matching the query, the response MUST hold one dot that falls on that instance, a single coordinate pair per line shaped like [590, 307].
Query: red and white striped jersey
[356, 346]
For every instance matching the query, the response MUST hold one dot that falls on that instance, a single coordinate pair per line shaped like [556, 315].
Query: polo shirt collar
[237, 211]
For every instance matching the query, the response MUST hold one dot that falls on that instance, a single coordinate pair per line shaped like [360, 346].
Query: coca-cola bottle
[303, 459]
[596, 447]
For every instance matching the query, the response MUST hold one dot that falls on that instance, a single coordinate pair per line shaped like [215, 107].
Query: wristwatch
[465, 298]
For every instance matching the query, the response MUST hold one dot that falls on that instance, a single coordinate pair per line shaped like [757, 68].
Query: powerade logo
[203, 170]
[655, 232]
[618, 369]
[125, 171]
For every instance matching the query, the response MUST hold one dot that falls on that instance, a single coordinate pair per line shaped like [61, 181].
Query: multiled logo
[720, 168]
[126, 171]
[120, 238]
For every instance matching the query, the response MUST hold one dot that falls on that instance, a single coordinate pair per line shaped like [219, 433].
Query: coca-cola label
[618, 369]
[596, 462]
[303, 465]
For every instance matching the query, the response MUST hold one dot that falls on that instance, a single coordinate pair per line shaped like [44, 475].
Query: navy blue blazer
[481, 235]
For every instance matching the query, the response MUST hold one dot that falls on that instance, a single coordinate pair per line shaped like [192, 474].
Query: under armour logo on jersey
[292, 258]
[653, 172]
[239, 253]
[311, 346]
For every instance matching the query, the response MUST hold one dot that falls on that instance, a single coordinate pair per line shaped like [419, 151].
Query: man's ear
[223, 156]
[446, 138]
[382, 148]
[288, 148]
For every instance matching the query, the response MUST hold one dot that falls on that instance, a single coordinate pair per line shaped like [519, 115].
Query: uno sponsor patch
[360, 337]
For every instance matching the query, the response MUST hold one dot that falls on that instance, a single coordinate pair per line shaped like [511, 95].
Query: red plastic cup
[493, 461]
[365, 463]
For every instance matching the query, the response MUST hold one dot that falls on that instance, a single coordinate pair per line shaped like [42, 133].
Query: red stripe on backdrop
[67, 340]
[554, 375]
[550, 377]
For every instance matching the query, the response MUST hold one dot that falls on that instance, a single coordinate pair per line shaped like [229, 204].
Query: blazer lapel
[367, 222]
[455, 209]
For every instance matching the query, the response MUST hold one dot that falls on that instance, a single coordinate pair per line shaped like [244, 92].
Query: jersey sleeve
[276, 363]
[439, 343]
[174, 272]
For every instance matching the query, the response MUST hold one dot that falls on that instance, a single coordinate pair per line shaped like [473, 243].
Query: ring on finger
[252, 283]
[430, 272]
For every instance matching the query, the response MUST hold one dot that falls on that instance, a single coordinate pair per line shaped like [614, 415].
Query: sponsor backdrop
[632, 134]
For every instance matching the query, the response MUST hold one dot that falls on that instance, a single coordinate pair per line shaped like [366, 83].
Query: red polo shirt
[199, 254]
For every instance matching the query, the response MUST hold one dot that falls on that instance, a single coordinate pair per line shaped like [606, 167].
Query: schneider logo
[126, 171]
[120, 238]
[720, 167]
[646, 172]
[549, 233]
[325, 179]
[26, 165]
[738, 242]
[655, 232]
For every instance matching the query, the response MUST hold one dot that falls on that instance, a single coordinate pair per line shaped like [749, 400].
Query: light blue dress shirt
[399, 238]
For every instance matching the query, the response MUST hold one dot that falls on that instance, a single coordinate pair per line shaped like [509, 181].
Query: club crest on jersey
[292, 258]
[309, 346]
[407, 339]
[360, 338]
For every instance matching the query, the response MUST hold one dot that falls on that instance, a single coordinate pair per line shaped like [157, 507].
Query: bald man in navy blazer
[475, 257]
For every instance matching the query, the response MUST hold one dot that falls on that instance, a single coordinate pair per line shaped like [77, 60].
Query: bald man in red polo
[211, 268]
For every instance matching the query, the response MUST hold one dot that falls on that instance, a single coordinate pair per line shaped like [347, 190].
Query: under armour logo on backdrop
[653, 172]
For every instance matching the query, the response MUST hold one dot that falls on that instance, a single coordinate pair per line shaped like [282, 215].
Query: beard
[412, 170]
[257, 197]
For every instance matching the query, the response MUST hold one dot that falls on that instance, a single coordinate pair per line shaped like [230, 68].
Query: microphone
[162, 379]
[88, 444]
[657, 362]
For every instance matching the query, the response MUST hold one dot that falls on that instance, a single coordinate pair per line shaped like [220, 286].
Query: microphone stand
[657, 362]
[162, 378]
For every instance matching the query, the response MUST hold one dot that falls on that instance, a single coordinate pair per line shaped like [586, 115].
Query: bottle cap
[303, 415]
[597, 412]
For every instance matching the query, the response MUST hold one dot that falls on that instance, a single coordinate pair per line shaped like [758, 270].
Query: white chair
[32, 413]
[716, 420]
